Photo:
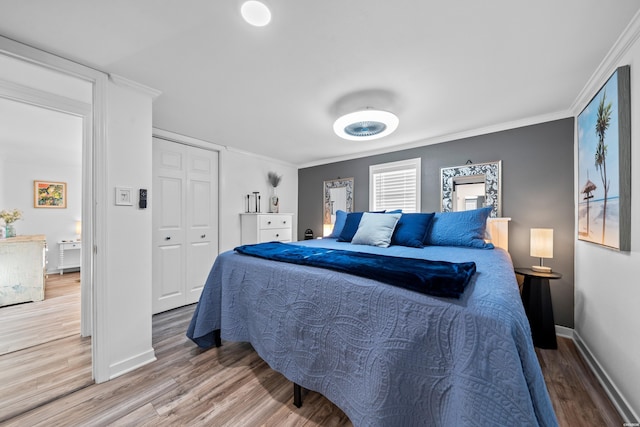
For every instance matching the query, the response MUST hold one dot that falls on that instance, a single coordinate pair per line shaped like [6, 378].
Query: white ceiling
[443, 67]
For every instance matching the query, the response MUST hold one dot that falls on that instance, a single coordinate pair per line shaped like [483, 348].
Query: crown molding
[608, 65]
[563, 114]
[124, 82]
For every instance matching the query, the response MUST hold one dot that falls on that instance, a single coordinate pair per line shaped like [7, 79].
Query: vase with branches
[274, 201]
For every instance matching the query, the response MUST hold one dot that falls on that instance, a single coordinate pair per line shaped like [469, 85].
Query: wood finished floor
[232, 386]
[42, 356]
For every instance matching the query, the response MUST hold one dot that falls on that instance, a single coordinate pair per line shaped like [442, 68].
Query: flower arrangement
[274, 179]
[10, 217]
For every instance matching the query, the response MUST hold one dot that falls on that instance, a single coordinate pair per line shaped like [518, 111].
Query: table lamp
[541, 247]
[78, 230]
[327, 229]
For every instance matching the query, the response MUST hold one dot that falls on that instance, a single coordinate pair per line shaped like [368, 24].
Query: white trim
[558, 115]
[29, 95]
[260, 156]
[187, 140]
[131, 363]
[608, 65]
[94, 177]
[138, 87]
[564, 332]
[616, 397]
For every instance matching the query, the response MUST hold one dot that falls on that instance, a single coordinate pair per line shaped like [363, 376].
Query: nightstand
[536, 298]
[68, 245]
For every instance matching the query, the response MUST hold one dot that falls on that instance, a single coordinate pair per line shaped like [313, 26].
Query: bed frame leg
[216, 338]
[297, 395]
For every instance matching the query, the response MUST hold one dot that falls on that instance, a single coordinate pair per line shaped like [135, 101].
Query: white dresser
[22, 269]
[266, 227]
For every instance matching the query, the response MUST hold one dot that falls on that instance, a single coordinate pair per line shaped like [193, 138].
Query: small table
[68, 245]
[536, 298]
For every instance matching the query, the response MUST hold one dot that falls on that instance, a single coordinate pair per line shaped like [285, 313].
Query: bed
[383, 354]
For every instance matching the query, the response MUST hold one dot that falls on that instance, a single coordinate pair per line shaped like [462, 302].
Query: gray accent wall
[537, 191]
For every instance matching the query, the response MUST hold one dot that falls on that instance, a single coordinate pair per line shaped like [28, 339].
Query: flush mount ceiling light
[365, 125]
[255, 13]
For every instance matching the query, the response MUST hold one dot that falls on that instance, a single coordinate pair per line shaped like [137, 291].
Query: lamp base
[541, 268]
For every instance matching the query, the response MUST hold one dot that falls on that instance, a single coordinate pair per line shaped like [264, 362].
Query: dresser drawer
[275, 221]
[70, 245]
[278, 234]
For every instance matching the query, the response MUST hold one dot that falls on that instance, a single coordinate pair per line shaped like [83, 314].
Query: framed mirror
[338, 195]
[472, 186]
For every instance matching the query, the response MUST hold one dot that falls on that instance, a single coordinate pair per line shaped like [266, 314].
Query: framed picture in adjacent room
[604, 165]
[49, 194]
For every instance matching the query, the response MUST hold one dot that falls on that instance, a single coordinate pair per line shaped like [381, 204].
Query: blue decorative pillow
[465, 228]
[412, 229]
[376, 229]
[341, 218]
[350, 226]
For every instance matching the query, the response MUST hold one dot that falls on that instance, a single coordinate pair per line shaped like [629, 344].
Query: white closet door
[202, 219]
[185, 222]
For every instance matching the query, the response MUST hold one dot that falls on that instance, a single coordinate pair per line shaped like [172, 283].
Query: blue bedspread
[439, 278]
[386, 356]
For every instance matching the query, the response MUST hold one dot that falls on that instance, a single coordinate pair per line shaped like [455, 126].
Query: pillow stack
[465, 228]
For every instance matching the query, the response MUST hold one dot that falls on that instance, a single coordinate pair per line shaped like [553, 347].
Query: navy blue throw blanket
[437, 278]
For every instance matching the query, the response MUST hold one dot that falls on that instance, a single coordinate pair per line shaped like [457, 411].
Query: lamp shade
[327, 229]
[78, 228]
[542, 242]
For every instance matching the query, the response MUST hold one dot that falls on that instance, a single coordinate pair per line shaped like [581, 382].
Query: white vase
[274, 202]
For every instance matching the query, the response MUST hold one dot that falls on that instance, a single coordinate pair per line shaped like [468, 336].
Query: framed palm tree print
[604, 165]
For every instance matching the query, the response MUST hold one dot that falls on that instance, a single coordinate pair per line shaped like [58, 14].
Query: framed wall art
[604, 165]
[49, 194]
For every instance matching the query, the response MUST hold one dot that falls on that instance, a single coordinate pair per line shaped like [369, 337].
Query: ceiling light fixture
[255, 13]
[366, 125]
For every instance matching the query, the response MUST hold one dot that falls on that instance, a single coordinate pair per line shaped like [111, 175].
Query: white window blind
[395, 185]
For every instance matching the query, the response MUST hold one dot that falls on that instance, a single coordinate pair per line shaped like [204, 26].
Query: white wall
[242, 174]
[607, 285]
[16, 186]
[126, 308]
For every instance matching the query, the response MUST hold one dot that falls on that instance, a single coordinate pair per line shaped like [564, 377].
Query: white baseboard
[618, 400]
[132, 363]
[564, 332]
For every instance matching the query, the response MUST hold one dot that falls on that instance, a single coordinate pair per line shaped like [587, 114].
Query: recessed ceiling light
[366, 125]
[255, 13]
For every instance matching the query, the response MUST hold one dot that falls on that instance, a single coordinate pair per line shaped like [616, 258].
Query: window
[395, 185]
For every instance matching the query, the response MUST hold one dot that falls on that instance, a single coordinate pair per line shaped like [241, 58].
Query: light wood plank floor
[42, 355]
[57, 316]
[232, 386]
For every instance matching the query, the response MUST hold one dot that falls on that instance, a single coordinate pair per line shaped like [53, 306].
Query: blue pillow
[464, 228]
[341, 217]
[350, 226]
[376, 229]
[412, 229]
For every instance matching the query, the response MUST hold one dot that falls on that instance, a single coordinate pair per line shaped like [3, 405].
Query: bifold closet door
[185, 222]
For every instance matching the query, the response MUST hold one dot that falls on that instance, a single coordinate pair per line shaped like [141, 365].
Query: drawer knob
[284, 222]
[167, 238]
[203, 236]
[277, 235]
[269, 222]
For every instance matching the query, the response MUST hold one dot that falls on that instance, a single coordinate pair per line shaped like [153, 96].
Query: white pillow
[376, 229]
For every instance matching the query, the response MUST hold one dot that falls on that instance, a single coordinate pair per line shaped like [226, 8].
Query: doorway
[42, 138]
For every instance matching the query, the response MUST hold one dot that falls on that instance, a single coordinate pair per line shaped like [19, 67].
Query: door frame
[93, 320]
